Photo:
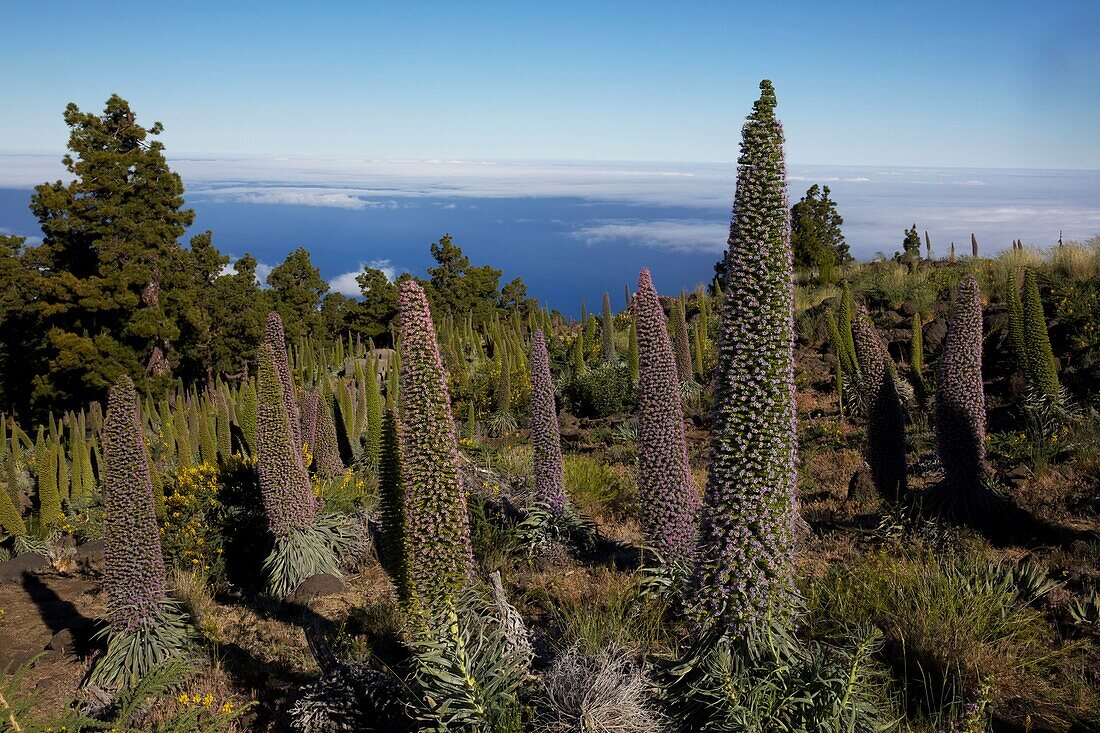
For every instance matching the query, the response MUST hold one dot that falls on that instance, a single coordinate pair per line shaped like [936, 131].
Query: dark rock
[861, 487]
[568, 421]
[63, 641]
[908, 309]
[1017, 475]
[572, 436]
[12, 571]
[317, 586]
[89, 557]
[934, 333]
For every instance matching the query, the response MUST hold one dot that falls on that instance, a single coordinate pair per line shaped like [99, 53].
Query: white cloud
[676, 235]
[346, 284]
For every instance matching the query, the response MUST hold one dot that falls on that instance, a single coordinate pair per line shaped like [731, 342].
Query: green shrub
[769, 680]
[596, 488]
[603, 390]
[951, 626]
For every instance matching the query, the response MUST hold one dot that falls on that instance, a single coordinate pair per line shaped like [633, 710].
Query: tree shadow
[59, 614]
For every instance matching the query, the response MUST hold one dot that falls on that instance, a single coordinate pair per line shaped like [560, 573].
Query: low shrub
[606, 389]
[953, 626]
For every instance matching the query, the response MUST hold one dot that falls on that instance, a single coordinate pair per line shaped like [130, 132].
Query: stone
[908, 309]
[12, 571]
[861, 487]
[89, 557]
[934, 333]
[317, 586]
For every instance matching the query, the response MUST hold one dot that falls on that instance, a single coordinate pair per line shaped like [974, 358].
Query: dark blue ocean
[531, 238]
[573, 230]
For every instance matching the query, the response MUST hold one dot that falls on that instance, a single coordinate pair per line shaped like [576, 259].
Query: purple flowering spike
[276, 339]
[549, 475]
[960, 398]
[438, 554]
[326, 452]
[288, 499]
[745, 550]
[133, 563]
[885, 447]
[669, 499]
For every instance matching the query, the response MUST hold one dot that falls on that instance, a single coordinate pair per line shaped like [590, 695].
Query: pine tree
[110, 272]
[667, 494]
[745, 549]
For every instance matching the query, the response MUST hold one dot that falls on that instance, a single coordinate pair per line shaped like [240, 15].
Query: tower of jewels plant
[885, 440]
[667, 493]
[960, 397]
[438, 554]
[546, 441]
[144, 627]
[745, 548]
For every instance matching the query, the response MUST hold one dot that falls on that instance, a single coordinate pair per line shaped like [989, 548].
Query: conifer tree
[745, 549]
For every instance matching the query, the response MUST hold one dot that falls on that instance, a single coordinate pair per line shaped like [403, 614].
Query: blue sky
[981, 84]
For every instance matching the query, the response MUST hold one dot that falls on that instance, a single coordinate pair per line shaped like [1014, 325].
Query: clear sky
[995, 84]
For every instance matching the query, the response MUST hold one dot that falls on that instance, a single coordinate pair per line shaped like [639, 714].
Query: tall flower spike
[607, 331]
[284, 484]
[549, 474]
[133, 563]
[960, 397]
[438, 554]
[683, 345]
[1041, 372]
[326, 454]
[276, 339]
[667, 493]
[745, 550]
[885, 416]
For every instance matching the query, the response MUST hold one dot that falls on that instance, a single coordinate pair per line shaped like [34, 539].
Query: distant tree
[109, 261]
[238, 310]
[296, 291]
[912, 242]
[458, 287]
[335, 308]
[372, 315]
[513, 297]
[20, 327]
[816, 236]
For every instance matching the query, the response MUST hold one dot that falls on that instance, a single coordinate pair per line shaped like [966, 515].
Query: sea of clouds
[673, 207]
